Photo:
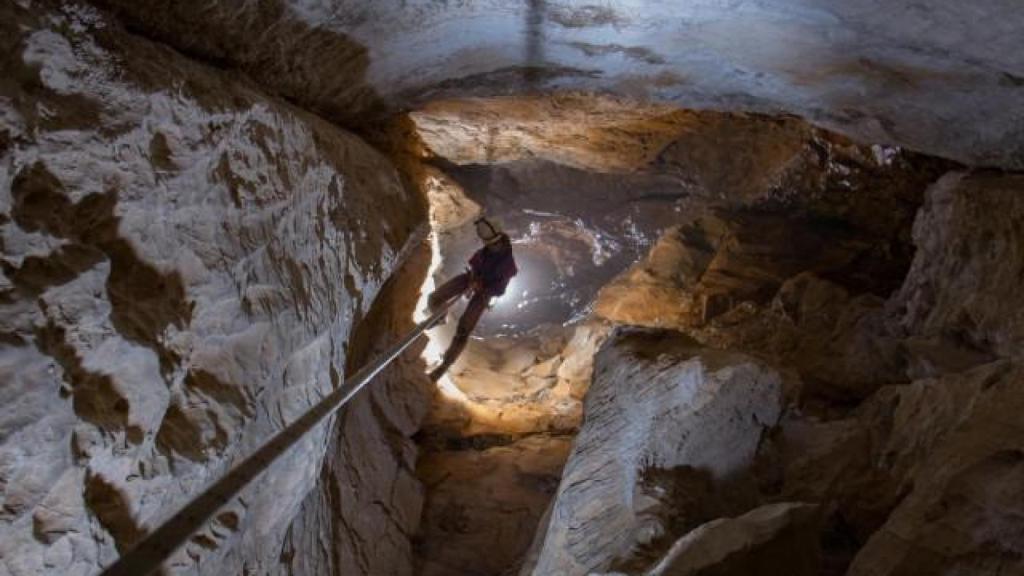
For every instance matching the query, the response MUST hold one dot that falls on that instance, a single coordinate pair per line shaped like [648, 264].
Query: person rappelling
[490, 270]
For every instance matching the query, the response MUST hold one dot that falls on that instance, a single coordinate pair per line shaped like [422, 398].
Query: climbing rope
[158, 545]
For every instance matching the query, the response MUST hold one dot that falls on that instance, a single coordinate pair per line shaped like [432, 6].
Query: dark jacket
[494, 266]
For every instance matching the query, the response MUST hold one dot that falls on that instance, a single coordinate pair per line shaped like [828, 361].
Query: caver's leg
[449, 289]
[475, 309]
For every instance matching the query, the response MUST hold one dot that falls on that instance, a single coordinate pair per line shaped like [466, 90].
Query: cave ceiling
[943, 77]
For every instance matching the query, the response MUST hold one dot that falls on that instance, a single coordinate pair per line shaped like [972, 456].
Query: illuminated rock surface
[202, 203]
[655, 405]
[184, 260]
[940, 78]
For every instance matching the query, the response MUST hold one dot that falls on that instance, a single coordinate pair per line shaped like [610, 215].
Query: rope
[158, 545]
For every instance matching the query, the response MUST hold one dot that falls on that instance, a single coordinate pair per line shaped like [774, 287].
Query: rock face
[368, 500]
[601, 191]
[777, 539]
[900, 413]
[485, 504]
[834, 62]
[956, 443]
[593, 133]
[964, 284]
[183, 261]
[654, 405]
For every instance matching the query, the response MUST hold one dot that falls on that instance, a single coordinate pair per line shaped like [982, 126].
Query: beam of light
[435, 348]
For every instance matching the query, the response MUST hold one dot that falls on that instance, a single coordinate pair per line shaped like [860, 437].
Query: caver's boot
[436, 373]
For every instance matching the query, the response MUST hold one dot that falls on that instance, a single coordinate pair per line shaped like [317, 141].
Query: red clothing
[494, 266]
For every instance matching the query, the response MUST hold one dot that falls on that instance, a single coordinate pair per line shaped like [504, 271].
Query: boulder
[956, 443]
[773, 540]
[657, 403]
[963, 289]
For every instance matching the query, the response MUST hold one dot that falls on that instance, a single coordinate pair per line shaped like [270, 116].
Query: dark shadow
[319, 69]
[144, 300]
[534, 41]
[113, 509]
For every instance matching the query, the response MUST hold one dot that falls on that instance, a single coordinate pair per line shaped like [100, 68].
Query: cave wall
[183, 261]
[897, 419]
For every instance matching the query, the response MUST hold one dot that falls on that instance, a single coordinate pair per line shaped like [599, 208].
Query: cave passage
[712, 217]
[767, 321]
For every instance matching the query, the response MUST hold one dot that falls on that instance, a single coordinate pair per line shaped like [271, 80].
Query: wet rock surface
[183, 260]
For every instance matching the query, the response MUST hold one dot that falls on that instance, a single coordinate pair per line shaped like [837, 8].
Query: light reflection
[435, 348]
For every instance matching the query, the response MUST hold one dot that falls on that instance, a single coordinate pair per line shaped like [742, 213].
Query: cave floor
[493, 448]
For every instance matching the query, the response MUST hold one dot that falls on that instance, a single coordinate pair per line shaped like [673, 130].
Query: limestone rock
[656, 403]
[957, 441]
[776, 539]
[485, 503]
[516, 385]
[183, 258]
[824, 62]
[599, 134]
[805, 194]
[964, 286]
[699, 271]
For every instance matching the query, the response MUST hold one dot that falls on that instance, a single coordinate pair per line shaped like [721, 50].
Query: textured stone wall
[183, 259]
[942, 78]
[900, 416]
[655, 404]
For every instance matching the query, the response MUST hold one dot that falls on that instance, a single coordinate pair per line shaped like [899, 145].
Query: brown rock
[957, 442]
[485, 504]
[184, 258]
[963, 290]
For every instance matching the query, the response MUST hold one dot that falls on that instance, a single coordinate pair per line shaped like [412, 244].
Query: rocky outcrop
[666, 423]
[183, 261]
[900, 419]
[699, 271]
[918, 474]
[956, 444]
[777, 539]
[593, 133]
[963, 289]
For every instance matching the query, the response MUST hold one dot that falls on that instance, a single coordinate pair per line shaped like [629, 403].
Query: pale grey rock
[656, 402]
[184, 259]
[366, 507]
[775, 539]
[942, 78]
